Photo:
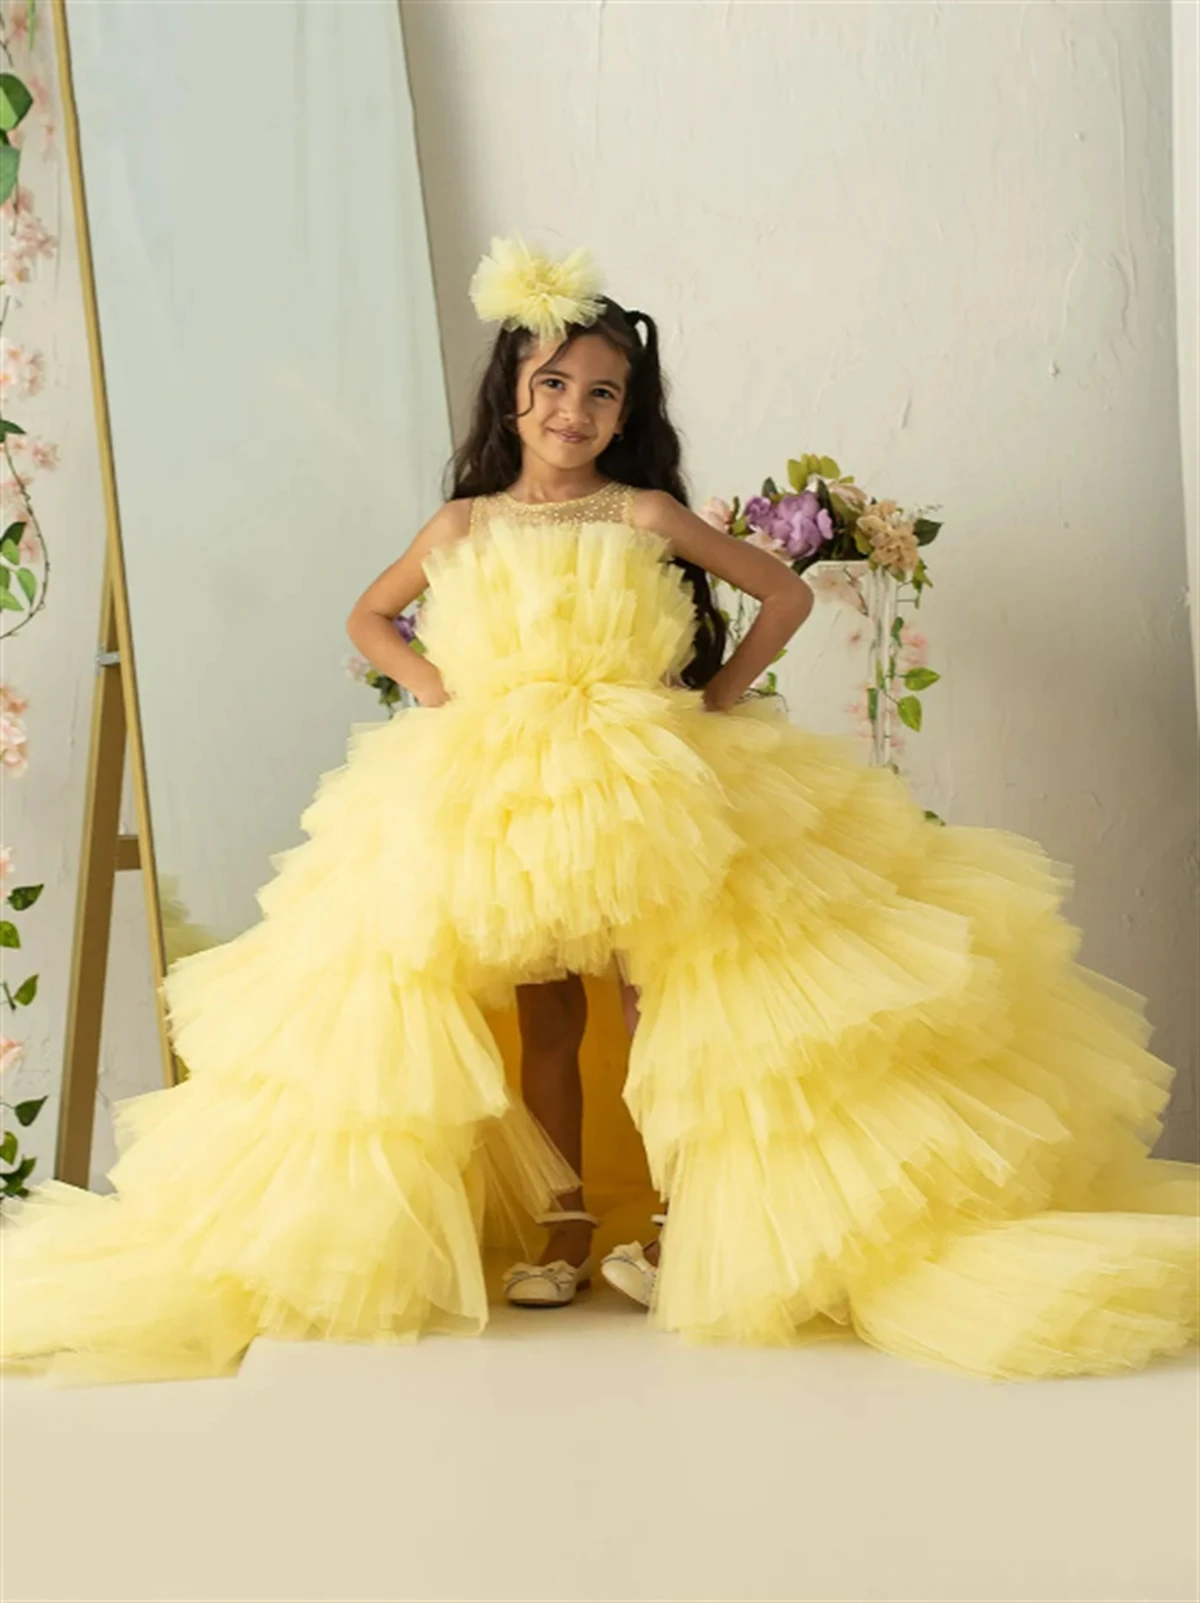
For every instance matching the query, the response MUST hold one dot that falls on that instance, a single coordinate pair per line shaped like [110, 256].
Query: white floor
[574, 1455]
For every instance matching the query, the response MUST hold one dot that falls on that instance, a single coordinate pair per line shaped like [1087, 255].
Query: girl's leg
[552, 1019]
[632, 1014]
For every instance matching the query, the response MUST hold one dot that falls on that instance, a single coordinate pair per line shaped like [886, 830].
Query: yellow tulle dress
[870, 1077]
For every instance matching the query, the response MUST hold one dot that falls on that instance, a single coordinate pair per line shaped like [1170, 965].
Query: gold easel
[116, 723]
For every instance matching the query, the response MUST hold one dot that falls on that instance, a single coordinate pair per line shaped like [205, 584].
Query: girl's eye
[606, 395]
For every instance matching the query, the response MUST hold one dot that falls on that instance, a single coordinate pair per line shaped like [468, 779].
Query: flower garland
[24, 565]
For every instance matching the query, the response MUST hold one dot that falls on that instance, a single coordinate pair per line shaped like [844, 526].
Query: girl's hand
[434, 694]
[786, 600]
[371, 625]
[717, 698]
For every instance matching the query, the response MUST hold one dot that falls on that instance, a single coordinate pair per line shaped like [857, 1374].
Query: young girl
[871, 1081]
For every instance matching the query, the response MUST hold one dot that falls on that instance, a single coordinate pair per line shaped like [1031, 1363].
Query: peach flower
[762, 541]
[11, 1053]
[717, 512]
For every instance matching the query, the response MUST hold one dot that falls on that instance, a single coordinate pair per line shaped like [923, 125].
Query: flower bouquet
[391, 694]
[868, 556]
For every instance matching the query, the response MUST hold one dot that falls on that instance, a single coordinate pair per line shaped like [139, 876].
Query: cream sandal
[549, 1285]
[629, 1271]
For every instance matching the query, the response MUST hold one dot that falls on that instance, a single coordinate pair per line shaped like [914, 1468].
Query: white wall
[935, 241]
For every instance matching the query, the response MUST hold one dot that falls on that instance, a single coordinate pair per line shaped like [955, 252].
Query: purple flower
[801, 525]
[758, 513]
[798, 524]
[406, 627]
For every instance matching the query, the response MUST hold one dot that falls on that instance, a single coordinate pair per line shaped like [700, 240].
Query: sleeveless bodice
[565, 593]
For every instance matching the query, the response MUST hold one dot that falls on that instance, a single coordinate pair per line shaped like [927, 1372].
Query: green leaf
[934, 819]
[925, 530]
[8, 1147]
[8, 934]
[772, 684]
[28, 583]
[15, 530]
[14, 1180]
[15, 101]
[10, 166]
[9, 602]
[24, 896]
[796, 475]
[27, 992]
[27, 1112]
[5, 578]
[7, 428]
[897, 629]
[828, 468]
[909, 709]
[10, 549]
[770, 487]
[920, 678]
[872, 704]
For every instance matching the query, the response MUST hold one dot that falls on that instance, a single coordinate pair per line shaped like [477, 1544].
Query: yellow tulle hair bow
[524, 288]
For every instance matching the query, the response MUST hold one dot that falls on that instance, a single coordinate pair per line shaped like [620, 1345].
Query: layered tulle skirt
[871, 1079]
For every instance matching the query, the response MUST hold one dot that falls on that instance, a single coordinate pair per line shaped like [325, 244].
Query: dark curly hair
[646, 456]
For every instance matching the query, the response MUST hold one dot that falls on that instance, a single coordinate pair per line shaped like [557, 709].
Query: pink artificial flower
[834, 584]
[857, 712]
[28, 238]
[11, 702]
[29, 548]
[22, 373]
[12, 745]
[914, 648]
[357, 668]
[11, 1053]
[7, 866]
[43, 453]
[719, 513]
[763, 541]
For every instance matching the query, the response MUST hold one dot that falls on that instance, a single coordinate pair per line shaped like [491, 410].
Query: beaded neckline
[573, 501]
[611, 503]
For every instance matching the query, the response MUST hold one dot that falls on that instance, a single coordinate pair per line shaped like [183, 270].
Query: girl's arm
[786, 599]
[371, 626]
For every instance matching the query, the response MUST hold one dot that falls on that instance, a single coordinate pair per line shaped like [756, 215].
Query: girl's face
[578, 401]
